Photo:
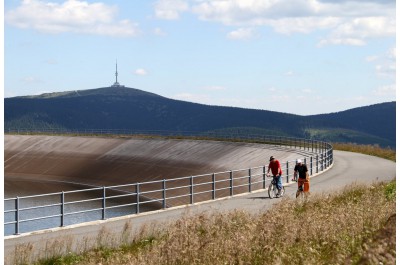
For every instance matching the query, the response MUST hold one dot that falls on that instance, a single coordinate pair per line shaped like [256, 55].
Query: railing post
[311, 165]
[249, 179]
[17, 216]
[231, 182]
[287, 171]
[164, 188]
[137, 197]
[322, 161]
[191, 190]
[213, 186]
[264, 182]
[316, 164]
[62, 208]
[104, 204]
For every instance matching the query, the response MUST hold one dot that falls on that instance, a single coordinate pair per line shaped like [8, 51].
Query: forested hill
[378, 119]
[133, 109]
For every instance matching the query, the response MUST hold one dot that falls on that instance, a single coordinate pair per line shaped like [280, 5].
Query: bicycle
[273, 190]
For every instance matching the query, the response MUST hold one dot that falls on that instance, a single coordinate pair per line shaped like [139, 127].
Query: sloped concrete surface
[95, 161]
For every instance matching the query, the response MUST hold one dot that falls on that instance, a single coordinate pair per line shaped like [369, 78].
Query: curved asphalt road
[348, 168]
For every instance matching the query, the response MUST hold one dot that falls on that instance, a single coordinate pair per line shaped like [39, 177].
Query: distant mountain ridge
[105, 91]
[134, 109]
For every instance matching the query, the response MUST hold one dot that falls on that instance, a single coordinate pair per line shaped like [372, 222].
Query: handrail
[229, 183]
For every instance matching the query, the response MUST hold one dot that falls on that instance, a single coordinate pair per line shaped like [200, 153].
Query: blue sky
[300, 56]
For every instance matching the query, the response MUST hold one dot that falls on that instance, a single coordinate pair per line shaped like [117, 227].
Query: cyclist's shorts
[306, 183]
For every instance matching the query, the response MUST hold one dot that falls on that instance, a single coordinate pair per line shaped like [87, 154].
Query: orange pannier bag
[307, 183]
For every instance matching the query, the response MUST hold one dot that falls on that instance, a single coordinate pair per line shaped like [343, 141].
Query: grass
[373, 150]
[326, 229]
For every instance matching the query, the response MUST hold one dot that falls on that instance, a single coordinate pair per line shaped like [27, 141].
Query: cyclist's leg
[300, 183]
[278, 181]
[279, 185]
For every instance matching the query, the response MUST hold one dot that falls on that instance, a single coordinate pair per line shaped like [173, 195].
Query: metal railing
[25, 214]
[234, 135]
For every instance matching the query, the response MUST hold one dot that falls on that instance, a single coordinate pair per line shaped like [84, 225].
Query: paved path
[348, 168]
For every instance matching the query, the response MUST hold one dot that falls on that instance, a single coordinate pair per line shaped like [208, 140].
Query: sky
[296, 56]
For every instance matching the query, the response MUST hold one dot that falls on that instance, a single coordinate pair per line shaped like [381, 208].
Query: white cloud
[272, 89]
[51, 61]
[289, 73]
[159, 32]
[31, 80]
[386, 91]
[389, 90]
[371, 58]
[350, 22]
[342, 41]
[70, 16]
[140, 72]
[358, 30]
[170, 9]
[214, 88]
[253, 12]
[385, 64]
[306, 91]
[241, 34]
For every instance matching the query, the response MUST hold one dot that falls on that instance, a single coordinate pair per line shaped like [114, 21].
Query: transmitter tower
[116, 84]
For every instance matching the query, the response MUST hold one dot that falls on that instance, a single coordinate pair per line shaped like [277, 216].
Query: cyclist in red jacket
[276, 170]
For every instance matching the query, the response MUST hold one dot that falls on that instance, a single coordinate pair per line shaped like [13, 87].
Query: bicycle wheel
[301, 194]
[272, 191]
[283, 191]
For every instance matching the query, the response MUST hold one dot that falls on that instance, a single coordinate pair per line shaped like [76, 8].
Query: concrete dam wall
[44, 164]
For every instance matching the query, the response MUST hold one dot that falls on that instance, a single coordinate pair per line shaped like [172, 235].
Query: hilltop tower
[116, 84]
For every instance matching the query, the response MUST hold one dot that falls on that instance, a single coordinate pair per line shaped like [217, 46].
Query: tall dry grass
[328, 229]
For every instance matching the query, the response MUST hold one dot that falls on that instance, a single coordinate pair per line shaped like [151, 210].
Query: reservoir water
[87, 206]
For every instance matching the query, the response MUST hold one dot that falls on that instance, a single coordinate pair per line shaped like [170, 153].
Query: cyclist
[276, 170]
[302, 170]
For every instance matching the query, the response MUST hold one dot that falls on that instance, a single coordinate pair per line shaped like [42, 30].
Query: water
[50, 207]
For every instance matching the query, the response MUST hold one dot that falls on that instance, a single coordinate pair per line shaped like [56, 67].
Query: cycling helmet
[299, 161]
